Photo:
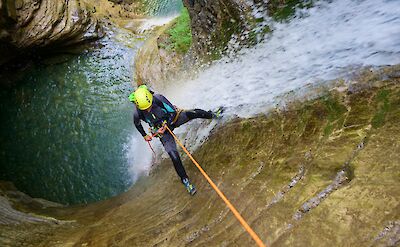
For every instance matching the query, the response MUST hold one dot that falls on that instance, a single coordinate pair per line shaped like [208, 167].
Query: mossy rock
[282, 10]
[295, 183]
[178, 37]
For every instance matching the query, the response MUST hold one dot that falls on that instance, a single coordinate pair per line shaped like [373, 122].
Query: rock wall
[154, 65]
[19, 224]
[163, 58]
[214, 22]
[321, 172]
[28, 24]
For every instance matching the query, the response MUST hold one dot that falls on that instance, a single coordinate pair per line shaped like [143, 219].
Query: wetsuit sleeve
[167, 106]
[136, 121]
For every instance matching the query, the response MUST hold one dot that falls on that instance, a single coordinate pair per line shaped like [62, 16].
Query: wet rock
[10, 216]
[214, 22]
[390, 236]
[157, 64]
[153, 64]
[33, 24]
[294, 182]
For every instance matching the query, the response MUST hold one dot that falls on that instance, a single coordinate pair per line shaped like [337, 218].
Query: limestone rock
[27, 24]
[155, 65]
[319, 172]
[214, 22]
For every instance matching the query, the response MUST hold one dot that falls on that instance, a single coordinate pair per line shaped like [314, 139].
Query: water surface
[65, 125]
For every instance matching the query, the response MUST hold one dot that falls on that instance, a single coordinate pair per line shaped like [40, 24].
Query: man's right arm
[136, 121]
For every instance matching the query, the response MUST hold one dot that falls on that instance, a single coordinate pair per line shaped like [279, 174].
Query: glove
[147, 138]
[162, 129]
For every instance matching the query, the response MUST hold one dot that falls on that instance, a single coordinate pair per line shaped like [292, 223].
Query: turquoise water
[65, 125]
[164, 7]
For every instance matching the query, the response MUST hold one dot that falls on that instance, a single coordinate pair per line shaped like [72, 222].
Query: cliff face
[151, 62]
[18, 225]
[214, 25]
[28, 24]
[164, 56]
[323, 172]
[214, 22]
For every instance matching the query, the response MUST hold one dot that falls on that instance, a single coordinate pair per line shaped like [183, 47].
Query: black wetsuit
[162, 110]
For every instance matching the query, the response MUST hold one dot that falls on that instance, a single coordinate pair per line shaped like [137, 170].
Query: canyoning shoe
[217, 114]
[189, 187]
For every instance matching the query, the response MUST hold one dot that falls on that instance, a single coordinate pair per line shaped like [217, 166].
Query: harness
[157, 122]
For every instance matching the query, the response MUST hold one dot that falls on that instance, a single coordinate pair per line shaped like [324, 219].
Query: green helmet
[132, 97]
[142, 97]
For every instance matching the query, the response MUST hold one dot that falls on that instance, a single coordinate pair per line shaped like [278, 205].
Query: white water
[138, 155]
[332, 39]
[318, 47]
[151, 23]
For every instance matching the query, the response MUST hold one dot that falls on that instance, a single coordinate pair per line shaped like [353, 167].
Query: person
[158, 112]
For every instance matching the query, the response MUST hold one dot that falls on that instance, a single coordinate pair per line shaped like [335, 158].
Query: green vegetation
[282, 10]
[180, 34]
[254, 36]
[246, 126]
[279, 10]
[335, 116]
[383, 100]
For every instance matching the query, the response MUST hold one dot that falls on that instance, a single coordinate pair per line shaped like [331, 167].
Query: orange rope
[151, 147]
[223, 197]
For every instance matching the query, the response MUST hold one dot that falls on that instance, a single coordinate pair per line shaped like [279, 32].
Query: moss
[328, 129]
[255, 35]
[282, 10]
[382, 99]
[215, 54]
[335, 114]
[259, 180]
[220, 39]
[229, 27]
[179, 35]
[246, 126]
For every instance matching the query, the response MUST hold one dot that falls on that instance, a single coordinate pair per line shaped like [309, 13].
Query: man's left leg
[186, 116]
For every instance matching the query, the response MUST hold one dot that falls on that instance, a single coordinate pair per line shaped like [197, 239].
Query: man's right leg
[176, 160]
[170, 147]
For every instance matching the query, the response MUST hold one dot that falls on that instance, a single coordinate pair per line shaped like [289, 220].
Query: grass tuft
[180, 34]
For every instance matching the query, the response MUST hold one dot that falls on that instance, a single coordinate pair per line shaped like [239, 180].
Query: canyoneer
[158, 112]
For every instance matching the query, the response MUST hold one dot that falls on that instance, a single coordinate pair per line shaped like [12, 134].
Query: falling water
[328, 40]
[76, 121]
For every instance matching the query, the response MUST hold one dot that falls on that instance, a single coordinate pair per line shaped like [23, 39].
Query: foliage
[282, 10]
[382, 99]
[180, 34]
